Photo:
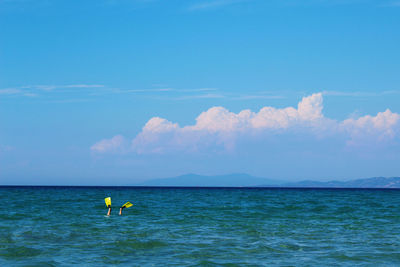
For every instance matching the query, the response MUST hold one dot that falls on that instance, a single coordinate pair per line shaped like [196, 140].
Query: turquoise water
[199, 227]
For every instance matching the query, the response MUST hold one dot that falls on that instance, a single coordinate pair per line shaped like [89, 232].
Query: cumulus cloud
[114, 145]
[382, 127]
[218, 128]
[219, 119]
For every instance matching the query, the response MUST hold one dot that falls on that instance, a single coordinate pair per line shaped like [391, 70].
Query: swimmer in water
[108, 204]
[126, 205]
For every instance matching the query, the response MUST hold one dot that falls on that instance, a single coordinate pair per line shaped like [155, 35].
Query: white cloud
[218, 128]
[143, 90]
[15, 92]
[382, 127]
[159, 125]
[219, 119]
[116, 144]
[91, 90]
[53, 87]
[9, 91]
[34, 90]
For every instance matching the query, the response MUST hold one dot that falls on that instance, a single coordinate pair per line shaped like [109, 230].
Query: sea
[64, 226]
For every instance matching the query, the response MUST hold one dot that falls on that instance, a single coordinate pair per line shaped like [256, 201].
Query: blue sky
[108, 92]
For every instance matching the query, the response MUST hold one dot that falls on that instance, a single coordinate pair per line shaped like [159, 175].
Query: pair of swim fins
[108, 203]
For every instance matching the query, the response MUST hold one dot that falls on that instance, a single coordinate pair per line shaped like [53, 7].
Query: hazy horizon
[267, 181]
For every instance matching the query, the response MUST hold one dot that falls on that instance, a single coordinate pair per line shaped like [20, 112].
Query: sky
[116, 92]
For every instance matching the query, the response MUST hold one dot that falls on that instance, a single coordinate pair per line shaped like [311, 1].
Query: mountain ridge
[373, 182]
[246, 180]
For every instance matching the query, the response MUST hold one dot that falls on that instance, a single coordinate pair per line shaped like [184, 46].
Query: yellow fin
[108, 201]
[127, 205]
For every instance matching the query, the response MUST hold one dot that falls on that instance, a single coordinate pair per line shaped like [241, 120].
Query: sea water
[63, 226]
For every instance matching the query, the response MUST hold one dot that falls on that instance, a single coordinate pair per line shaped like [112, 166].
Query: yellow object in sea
[108, 201]
[127, 205]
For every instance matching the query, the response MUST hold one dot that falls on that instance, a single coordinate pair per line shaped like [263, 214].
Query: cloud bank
[218, 129]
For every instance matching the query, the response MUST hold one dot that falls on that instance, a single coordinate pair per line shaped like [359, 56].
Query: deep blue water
[61, 226]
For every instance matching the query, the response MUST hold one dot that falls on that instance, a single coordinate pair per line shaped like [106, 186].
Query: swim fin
[127, 205]
[108, 201]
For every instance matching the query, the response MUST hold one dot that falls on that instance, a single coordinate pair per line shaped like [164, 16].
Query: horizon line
[200, 187]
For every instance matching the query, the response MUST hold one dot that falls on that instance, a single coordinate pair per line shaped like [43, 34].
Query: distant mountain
[375, 182]
[245, 180]
[229, 180]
